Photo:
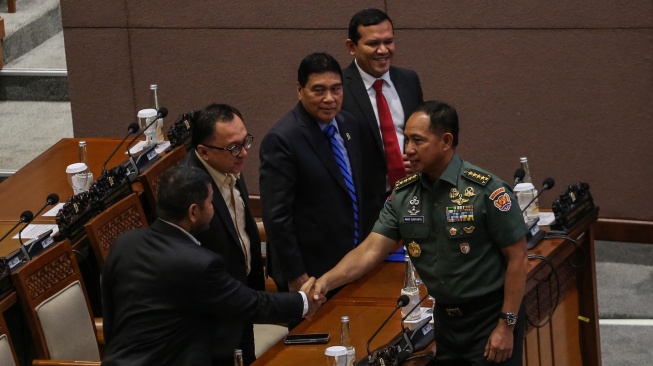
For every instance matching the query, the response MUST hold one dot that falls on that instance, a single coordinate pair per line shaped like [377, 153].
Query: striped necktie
[330, 133]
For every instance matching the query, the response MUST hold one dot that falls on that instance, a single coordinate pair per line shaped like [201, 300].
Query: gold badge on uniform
[469, 192]
[464, 248]
[414, 249]
[453, 231]
[453, 193]
[469, 229]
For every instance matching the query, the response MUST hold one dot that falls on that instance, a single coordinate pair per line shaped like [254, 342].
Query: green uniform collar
[450, 174]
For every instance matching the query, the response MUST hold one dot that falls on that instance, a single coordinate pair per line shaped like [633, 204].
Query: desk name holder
[181, 132]
[79, 209]
[393, 353]
[571, 207]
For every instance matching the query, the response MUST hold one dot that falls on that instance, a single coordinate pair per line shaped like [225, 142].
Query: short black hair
[317, 63]
[180, 187]
[204, 124]
[366, 17]
[443, 117]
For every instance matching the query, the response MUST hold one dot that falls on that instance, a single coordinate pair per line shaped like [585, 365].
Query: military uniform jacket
[454, 229]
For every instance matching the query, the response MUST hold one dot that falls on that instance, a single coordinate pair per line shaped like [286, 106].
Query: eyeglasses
[235, 149]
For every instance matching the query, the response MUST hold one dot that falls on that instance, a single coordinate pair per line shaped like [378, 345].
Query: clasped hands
[316, 295]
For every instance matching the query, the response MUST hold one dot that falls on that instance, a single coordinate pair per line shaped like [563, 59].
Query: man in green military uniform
[466, 236]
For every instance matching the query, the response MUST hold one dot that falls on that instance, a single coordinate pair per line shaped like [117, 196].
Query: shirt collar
[368, 79]
[324, 125]
[182, 230]
[218, 178]
[450, 174]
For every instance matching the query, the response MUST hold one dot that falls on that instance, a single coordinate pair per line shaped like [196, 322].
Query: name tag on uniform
[412, 219]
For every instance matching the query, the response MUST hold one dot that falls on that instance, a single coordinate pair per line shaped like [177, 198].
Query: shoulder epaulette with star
[404, 182]
[477, 176]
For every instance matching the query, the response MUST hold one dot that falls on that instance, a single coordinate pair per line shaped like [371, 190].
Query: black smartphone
[309, 338]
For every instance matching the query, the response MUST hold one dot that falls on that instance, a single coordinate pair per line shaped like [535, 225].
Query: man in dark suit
[221, 142]
[310, 197]
[372, 44]
[164, 294]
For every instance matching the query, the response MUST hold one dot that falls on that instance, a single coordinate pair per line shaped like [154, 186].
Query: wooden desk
[565, 340]
[364, 320]
[28, 188]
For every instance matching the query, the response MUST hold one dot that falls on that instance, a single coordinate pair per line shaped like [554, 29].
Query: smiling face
[322, 95]
[375, 49]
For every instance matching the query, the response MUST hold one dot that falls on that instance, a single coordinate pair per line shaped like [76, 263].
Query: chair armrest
[99, 330]
[65, 363]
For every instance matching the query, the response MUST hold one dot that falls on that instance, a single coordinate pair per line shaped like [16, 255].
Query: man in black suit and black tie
[372, 44]
[310, 179]
[165, 295]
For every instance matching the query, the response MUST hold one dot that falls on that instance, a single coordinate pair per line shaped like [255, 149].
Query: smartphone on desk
[308, 338]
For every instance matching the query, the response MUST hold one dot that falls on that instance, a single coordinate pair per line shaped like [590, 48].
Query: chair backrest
[55, 303]
[103, 229]
[7, 353]
[150, 178]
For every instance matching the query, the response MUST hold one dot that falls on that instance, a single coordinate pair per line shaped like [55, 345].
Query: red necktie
[393, 155]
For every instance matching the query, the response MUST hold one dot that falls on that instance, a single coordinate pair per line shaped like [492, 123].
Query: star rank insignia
[414, 249]
[477, 177]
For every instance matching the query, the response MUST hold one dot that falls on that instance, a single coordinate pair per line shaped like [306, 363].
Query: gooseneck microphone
[51, 199]
[401, 302]
[547, 184]
[519, 176]
[132, 128]
[25, 217]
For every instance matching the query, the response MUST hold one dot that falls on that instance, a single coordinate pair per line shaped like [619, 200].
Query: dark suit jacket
[222, 238]
[164, 296]
[357, 102]
[307, 211]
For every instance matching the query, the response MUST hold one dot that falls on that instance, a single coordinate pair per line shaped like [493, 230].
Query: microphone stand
[400, 304]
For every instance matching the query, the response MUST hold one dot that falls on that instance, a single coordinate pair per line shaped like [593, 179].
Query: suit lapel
[403, 91]
[319, 143]
[357, 90]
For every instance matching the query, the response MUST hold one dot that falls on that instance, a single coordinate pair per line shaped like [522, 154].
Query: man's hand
[297, 283]
[313, 303]
[499, 346]
[407, 166]
[320, 290]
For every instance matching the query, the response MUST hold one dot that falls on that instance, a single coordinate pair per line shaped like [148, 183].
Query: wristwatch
[509, 318]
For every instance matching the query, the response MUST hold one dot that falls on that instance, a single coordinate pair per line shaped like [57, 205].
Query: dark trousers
[461, 340]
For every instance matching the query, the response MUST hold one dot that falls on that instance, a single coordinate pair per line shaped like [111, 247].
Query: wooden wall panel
[568, 84]
[521, 14]
[100, 79]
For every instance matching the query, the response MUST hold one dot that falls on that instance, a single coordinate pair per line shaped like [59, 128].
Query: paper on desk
[546, 218]
[54, 210]
[34, 230]
[139, 146]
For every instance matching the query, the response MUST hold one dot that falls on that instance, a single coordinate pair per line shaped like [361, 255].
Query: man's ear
[351, 47]
[203, 152]
[299, 91]
[447, 140]
[193, 212]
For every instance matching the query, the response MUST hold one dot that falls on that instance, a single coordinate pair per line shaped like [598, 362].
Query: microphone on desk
[519, 176]
[547, 184]
[401, 302]
[25, 217]
[132, 128]
[51, 199]
[411, 346]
